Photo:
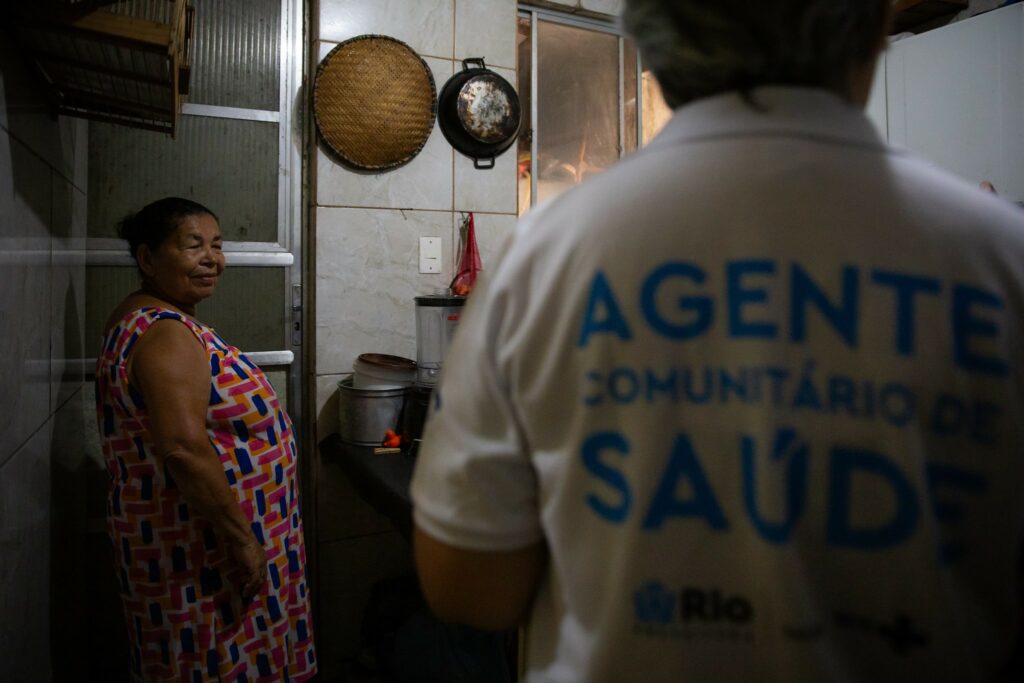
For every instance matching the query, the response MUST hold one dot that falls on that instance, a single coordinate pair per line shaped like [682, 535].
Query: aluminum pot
[479, 113]
[364, 415]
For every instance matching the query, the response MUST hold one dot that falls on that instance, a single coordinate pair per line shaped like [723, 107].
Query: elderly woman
[748, 406]
[203, 508]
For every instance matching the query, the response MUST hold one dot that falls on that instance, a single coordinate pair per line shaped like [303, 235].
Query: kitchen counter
[452, 651]
[381, 480]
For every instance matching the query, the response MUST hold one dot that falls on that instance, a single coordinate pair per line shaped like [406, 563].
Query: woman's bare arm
[172, 372]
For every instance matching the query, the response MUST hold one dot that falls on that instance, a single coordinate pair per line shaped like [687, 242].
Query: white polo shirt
[759, 387]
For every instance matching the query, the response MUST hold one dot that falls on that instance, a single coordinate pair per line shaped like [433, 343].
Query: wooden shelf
[917, 15]
[101, 62]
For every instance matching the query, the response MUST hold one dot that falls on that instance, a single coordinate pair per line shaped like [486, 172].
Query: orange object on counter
[391, 439]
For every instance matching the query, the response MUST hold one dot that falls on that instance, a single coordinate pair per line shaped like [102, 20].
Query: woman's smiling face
[184, 269]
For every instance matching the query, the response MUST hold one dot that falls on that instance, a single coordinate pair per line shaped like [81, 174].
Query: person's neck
[862, 77]
[149, 289]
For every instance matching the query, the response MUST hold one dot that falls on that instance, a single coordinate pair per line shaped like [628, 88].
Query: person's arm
[488, 590]
[172, 372]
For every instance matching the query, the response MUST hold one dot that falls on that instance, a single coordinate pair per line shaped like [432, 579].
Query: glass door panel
[247, 310]
[237, 151]
[577, 125]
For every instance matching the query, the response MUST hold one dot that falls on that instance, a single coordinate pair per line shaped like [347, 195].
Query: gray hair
[698, 48]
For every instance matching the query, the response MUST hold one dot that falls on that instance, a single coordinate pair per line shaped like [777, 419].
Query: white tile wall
[24, 294]
[367, 241]
[486, 28]
[423, 183]
[367, 276]
[426, 25]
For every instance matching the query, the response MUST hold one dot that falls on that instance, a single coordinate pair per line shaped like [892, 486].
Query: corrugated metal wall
[237, 57]
[159, 11]
[228, 165]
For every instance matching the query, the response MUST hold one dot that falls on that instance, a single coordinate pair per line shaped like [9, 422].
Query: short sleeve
[474, 485]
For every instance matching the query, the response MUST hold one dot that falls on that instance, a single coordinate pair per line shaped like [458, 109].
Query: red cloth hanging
[470, 263]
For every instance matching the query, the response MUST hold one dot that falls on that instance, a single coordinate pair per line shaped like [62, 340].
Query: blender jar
[437, 316]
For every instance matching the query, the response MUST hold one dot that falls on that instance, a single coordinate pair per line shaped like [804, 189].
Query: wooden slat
[127, 28]
[75, 95]
[132, 121]
[111, 28]
[78, 88]
[954, 5]
[50, 58]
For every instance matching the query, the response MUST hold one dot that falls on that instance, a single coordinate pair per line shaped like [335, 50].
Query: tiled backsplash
[366, 231]
[426, 25]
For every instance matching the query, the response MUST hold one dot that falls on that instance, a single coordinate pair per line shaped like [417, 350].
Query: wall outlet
[430, 254]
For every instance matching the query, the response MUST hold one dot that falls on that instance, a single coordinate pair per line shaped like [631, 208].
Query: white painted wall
[955, 96]
[876, 108]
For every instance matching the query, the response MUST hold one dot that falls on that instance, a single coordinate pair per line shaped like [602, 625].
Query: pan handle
[479, 61]
[477, 162]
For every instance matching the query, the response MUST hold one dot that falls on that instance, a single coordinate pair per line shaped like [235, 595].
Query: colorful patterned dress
[185, 619]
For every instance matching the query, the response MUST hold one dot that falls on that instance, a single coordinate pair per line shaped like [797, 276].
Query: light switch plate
[430, 254]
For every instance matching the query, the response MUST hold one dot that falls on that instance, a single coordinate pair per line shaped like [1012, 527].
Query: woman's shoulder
[132, 307]
[138, 308]
[141, 331]
[138, 313]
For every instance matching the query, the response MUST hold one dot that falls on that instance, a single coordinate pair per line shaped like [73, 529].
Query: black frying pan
[479, 113]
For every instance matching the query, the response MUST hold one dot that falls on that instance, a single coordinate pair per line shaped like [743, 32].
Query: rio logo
[713, 605]
[656, 604]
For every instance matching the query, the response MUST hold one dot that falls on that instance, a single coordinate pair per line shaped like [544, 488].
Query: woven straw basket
[374, 101]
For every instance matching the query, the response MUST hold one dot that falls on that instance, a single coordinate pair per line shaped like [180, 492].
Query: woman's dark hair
[156, 222]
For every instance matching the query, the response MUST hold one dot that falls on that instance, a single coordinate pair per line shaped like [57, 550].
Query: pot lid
[384, 360]
[374, 102]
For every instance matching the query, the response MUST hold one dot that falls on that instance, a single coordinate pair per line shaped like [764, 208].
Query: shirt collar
[803, 112]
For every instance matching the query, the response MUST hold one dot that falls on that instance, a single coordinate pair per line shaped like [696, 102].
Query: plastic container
[364, 415]
[381, 371]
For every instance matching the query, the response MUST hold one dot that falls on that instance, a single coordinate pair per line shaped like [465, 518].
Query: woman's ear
[144, 257]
